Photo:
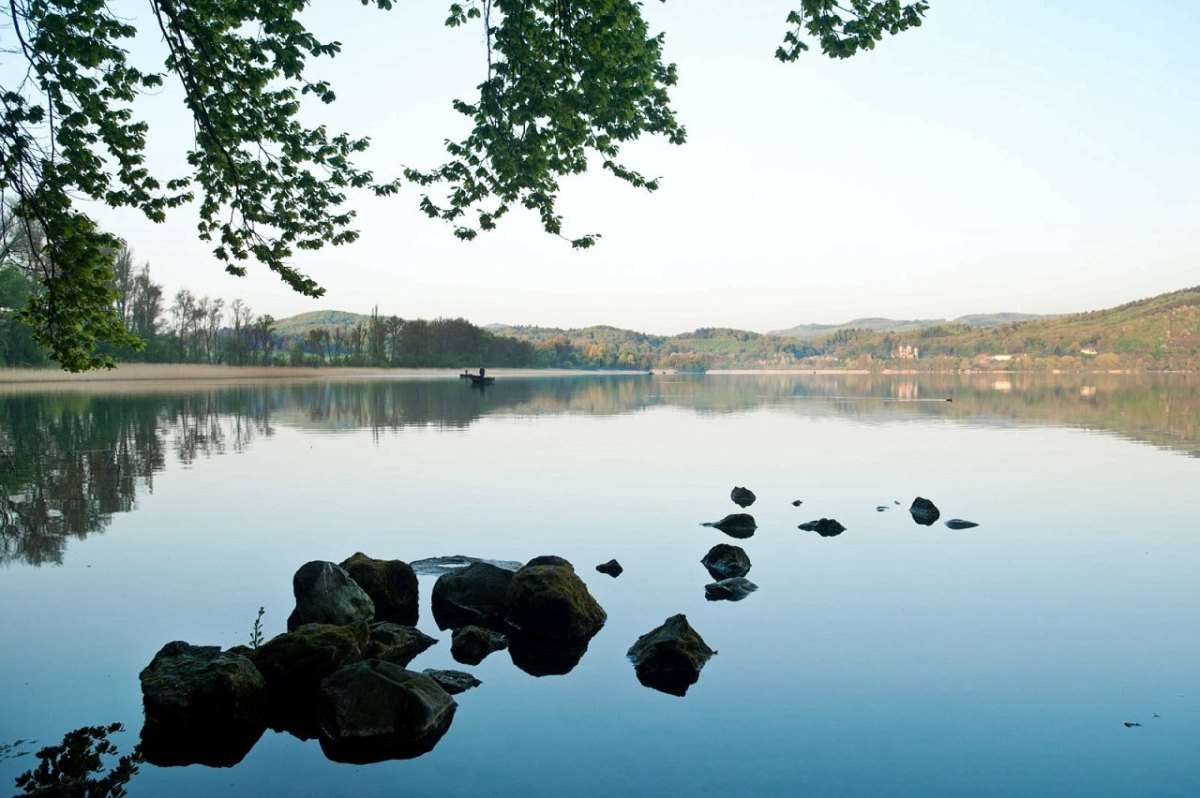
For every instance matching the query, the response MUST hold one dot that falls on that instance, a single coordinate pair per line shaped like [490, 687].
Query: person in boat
[482, 372]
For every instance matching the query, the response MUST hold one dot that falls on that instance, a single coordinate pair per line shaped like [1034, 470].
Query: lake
[893, 658]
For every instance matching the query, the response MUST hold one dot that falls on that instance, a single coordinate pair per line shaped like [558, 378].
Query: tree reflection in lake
[69, 460]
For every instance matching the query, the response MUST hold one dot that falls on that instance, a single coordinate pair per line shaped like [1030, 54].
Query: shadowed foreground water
[891, 658]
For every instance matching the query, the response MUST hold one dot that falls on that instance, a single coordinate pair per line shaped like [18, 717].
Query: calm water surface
[893, 659]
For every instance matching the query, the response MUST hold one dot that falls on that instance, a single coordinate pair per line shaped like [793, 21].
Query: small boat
[477, 380]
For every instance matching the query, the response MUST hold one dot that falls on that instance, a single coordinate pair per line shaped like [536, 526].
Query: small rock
[924, 512]
[471, 644]
[326, 594]
[1130, 725]
[670, 657]
[958, 523]
[797, 503]
[737, 525]
[725, 561]
[881, 508]
[825, 527]
[734, 589]
[453, 682]
[612, 568]
[396, 643]
[742, 497]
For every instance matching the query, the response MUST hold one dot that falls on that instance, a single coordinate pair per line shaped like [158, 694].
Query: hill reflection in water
[70, 460]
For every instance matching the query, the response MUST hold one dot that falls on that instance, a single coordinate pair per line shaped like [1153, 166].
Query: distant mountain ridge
[978, 321]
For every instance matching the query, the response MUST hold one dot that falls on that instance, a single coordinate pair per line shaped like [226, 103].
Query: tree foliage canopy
[568, 83]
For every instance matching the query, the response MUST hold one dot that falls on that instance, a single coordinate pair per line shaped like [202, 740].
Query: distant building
[1087, 351]
[1002, 358]
[906, 352]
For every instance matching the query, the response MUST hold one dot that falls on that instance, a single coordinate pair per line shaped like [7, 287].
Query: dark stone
[396, 643]
[924, 512]
[186, 685]
[737, 525]
[797, 503]
[550, 600]
[612, 568]
[670, 657]
[734, 589]
[202, 705]
[881, 508]
[391, 584]
[373, 710]
[544, 656]
[326, 594]
[825, 527]
[475, 595]
[742, 497]
[471, 644]
[294, 663]
[725, 561]
[958, 523]
[453, 682]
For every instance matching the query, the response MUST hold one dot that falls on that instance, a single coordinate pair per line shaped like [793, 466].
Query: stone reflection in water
[669, 658]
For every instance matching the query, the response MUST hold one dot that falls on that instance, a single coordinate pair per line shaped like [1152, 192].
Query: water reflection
[70, 460]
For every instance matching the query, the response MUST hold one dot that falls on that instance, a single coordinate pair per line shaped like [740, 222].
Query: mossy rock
[294, 663]
[551, 601]
[391, 584]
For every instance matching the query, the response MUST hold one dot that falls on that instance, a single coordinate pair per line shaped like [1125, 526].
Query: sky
[1009, 155]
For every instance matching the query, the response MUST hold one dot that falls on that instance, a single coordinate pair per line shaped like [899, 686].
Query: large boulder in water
[294, 663]
[326, 594]
[391, 584]
[197, 686]
[736, 525]
[725, 561]
[547, 599]
[476, 595]
[471, 644]
[670, 657]
[396, 643]
[742, 497]
[374, 710]
[924, 512]
[203, 706]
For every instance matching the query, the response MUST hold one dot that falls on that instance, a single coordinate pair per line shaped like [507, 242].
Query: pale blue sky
[1008, 155]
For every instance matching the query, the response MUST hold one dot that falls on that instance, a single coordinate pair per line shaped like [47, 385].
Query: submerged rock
[436, 566]
[453, 682]
[612, 568]
[391, 584]
[725, 561]
[670, 657]
[924, 512]
[958, 523]
[547, 598]
[326, 594]
[471, 644]
[475, 595]
[742, 497]
[733, 589]
[825, 527]
[374, 710]
[737, 525]
[396, 643]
